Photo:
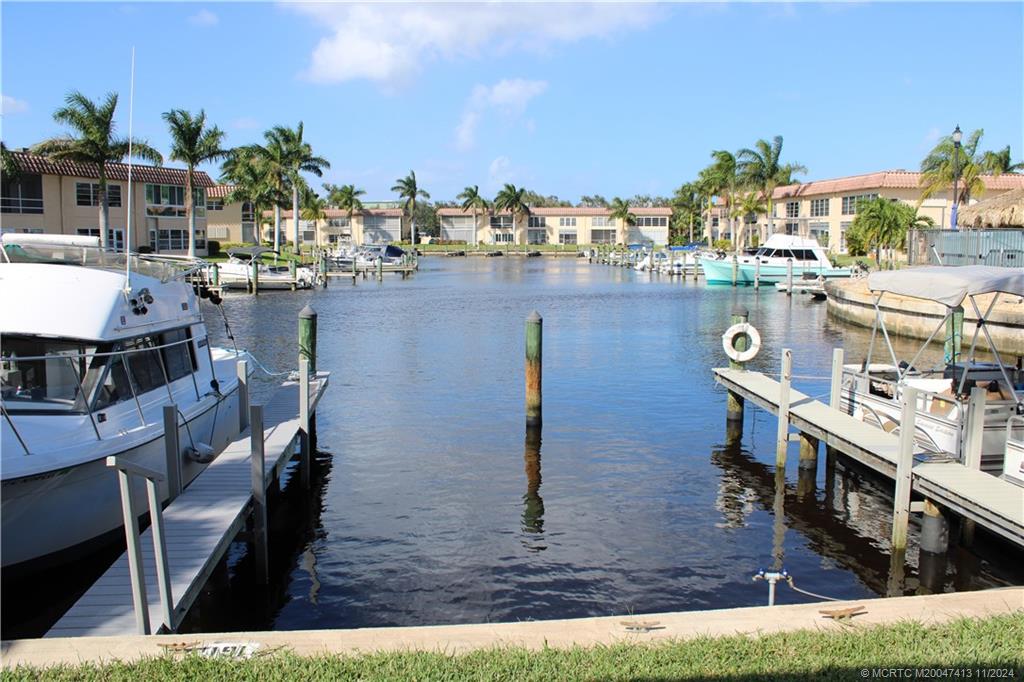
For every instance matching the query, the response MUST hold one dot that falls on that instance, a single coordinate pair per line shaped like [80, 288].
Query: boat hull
[720, 272]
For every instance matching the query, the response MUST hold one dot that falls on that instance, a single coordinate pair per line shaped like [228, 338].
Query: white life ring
[734, 332]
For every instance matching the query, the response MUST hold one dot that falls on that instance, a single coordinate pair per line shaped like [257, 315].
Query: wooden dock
[991, 502]
[199, 525]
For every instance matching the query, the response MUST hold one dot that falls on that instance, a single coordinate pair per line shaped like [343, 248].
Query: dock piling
[975, 429]
[734, 401]
[172, 452]
[835, 393]
[904, 467]
[259, 495]
[934, 529]
[242, 368]
[735, 269]
[307, 335]
[254, 279]
[215, 275]
[534, 366]
[131, 525]
[782, 435]
[789, 277]
[757, 274]
[293, 272]
[954, 335]
[304, 438]
[163, 580]
[380, 269]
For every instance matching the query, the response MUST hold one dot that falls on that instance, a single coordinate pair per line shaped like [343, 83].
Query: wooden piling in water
[734, 401]
[735, 269]
[242, 367]
[261, 560]
[215, 275]
[172, 452]
[904, 469]
[293, 273]
[954, 335]
[836, 387]
[254, 279]
[782, 434]
[307, 336]
[789, 277]
[757, 273]
[534, 366]
[934, 529]
[305, 444]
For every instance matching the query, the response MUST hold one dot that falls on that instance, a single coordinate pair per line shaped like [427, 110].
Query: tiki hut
[1005, 210]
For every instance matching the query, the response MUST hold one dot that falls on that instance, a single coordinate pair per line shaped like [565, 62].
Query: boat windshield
[44, 374]
[160, 267]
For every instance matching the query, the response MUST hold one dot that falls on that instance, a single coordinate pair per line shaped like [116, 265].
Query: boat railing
[165, 267]
[934, 404]
[82, 394]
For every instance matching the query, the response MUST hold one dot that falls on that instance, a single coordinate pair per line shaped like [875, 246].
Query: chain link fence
[1004, 247]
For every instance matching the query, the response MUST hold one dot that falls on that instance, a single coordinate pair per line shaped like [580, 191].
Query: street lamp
[957, 136]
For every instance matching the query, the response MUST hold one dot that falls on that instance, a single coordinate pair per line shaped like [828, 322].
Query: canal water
[433, 505]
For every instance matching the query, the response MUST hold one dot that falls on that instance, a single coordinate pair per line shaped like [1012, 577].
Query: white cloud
[10, 105]
[509, 96]
[499, 172]
[204, 17]
[389, 43]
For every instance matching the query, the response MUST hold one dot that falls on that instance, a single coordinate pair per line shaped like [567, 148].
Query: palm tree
[345, 198]
[254, 182]
[472, 201]
[192, 143]
[937, 169]
[883, 223]
[621, 210]
[8, 164]
[273, 162]
[749, 204]
[314, 209]
[726, 168]
[763, 169]
[408, 190]
[96, 143]
[999, 162]
[711, 184]
[687, 202]
[297, 158]
[513, 200]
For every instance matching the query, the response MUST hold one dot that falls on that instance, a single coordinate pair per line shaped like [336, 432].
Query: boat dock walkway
[198, 525]
[991, 502]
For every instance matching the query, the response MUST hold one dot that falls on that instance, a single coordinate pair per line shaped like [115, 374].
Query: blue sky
[565, 99]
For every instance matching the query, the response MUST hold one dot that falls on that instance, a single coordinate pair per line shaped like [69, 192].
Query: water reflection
[533, 503]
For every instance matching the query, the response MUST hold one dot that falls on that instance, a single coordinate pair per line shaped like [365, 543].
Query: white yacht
[771, 262]
[236, 273]
[873, 391]
[91, 354]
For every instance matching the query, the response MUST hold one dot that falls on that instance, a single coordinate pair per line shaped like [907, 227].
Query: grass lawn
[965, 645]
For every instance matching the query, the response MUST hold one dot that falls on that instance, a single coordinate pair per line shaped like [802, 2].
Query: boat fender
[753, 342]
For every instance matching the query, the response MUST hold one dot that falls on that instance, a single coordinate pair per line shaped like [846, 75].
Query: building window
[175, 239]
[88, 194]
[248, 212]
[168, 201]
[23, 194]
[537, 221]
[214, 204]
[217, 231]
[651, 221]
[21, 230]
[819, 231]
[504, 238]
[115, 238]
[819, 208]
[850, 202]
[567, 237]
[792, 209]
[602, 236]
[501, 221]
[537, 236]
[602, 221]
[567, 222]
[309, 236]
[792, 228]
[714, 221]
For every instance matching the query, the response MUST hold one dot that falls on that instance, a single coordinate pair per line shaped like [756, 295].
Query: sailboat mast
[128, 225]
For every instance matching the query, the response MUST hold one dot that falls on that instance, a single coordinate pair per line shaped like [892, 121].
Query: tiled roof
[286, 213]
[894, 179]
[567, 211]
[34, 163]
[219, 191]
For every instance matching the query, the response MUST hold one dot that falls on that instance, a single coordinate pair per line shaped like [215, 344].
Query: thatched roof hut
[1005, 210]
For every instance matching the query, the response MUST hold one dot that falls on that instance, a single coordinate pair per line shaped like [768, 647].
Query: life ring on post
[736, 331]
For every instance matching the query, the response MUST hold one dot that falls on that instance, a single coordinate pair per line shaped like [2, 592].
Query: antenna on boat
[128, 226]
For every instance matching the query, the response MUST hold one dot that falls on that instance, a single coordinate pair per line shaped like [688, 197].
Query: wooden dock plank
[199, 526]
[996, 504]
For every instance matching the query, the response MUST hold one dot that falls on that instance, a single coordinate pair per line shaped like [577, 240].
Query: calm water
[433, 505]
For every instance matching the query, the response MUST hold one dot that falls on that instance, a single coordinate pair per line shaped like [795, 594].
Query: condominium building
[368, 226]
[229, 222]
[555, 225]
[62, 197]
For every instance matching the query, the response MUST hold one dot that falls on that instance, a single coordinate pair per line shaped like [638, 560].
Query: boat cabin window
[178, 357]
[114, 386]
[52, 381]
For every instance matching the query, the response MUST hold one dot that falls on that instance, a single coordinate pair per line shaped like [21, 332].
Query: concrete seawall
[850, 301]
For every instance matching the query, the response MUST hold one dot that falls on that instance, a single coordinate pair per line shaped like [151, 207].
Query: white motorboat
[236, 273]
[771, 261]
[91, 354]
[873, 392]
[366, 257]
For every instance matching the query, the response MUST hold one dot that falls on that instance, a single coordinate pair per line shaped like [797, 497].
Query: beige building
[825, 209]
[369, 226]
[554, 225]
[62, 197]
[228, 222]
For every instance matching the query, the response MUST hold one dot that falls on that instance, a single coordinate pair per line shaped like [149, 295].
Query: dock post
[757, 274]
[259, 495]
[215, 275]
[807, 473]
[324, 268]
[973, 438]
[172, 451]
[242, 366]
[904, 468]
[836, 388]
[138, 578]
[534, 367]
[735, 269]
[782, 435]
[292, 272]
[789, 277]
[380, 269]
[934, 529]
[254, 279]
[307, 335]
[163, 581]
[734, 401]
[304, 442]
[954, 335]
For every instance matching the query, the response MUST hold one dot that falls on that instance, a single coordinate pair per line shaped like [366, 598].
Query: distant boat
[237, 271]
[774, 256]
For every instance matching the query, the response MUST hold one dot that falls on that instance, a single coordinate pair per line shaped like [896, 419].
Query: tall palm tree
[8, 164]
[687, 202]
[96, 143]
[345, 198]
[937, 169]
[726, 168]
[763, 169]
[298, 158]
[273, 162]
[314, 209]
[254, 182]
[749, 204]
[192, 143]
[408, 190]
[999, 162]
[621, 210]
[472, 201]
[512, 199]
[711, 184]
